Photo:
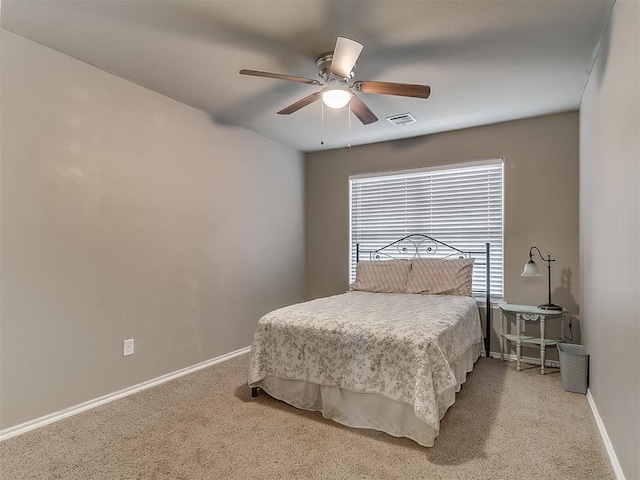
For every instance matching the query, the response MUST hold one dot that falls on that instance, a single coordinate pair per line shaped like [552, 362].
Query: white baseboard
[68, 412]
[605, 438]
[530, 360]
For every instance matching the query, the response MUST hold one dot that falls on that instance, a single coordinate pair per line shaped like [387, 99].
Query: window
[459, 205]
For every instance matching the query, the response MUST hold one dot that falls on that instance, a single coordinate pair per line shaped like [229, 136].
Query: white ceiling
[486, 61]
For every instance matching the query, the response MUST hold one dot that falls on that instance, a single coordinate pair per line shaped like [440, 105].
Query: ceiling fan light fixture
[336, 97]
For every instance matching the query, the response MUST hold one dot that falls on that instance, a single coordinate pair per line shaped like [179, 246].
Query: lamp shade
[530, 269]
[336, 97]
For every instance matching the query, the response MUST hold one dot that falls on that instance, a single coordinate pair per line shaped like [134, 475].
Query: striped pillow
[387, 276]
[441, 276]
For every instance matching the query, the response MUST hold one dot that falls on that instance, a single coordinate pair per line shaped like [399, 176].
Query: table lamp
[531, 270]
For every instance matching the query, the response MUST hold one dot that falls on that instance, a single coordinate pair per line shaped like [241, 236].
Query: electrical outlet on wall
[127, 348]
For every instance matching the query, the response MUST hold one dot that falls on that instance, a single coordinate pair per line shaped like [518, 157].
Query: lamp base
[549, 306]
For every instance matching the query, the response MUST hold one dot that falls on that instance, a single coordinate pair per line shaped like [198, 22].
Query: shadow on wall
[410, 142]
[221, 122]
[602, 55]
[562, 296]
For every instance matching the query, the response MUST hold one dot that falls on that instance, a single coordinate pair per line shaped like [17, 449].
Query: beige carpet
[504, 424]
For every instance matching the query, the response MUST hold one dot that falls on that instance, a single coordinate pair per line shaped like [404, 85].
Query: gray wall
[126, 214]
[610, 231]
[541, 201]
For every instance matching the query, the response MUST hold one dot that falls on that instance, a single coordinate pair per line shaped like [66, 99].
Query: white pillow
[441, 276]
[385, 276]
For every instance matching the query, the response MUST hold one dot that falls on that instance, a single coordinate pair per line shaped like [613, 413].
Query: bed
[388, 355]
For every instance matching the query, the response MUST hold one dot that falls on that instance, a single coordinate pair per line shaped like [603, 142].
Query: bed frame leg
[254, 391]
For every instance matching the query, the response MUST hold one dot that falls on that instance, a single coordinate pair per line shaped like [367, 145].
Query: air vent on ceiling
[402, 119]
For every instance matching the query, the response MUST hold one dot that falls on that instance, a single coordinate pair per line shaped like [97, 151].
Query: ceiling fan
[336, 69]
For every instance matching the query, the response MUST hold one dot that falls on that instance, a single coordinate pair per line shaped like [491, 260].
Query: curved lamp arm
[548, 259]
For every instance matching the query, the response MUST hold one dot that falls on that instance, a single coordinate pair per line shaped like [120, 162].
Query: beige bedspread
[400, 346]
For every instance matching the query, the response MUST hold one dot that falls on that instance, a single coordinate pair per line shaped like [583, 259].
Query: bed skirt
[370, 410]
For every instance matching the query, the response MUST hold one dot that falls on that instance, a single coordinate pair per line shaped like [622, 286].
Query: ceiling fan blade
[294, 107]
[361, 111]
[345, 56]
[279, 76]
[388, 88]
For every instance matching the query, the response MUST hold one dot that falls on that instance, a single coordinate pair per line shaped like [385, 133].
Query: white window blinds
[461, 206]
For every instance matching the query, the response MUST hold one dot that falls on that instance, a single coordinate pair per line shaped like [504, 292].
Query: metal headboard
[418, 245]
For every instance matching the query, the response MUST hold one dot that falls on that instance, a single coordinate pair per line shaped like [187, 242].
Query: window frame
[371, 175]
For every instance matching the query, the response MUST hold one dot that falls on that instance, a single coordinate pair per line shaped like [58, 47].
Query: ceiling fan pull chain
[321, 123]
[349, 115]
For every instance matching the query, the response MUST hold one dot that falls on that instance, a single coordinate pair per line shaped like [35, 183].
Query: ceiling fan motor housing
[324, 66]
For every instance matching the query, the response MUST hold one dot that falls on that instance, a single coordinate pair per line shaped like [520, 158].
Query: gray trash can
[574, 367]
